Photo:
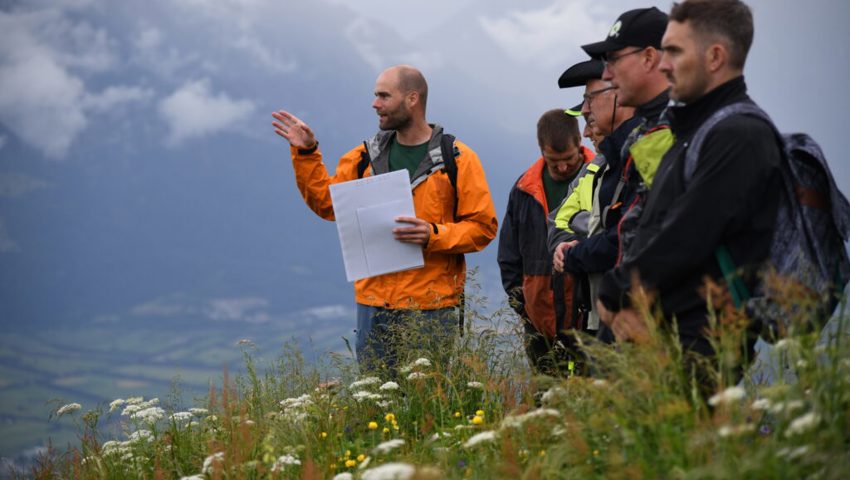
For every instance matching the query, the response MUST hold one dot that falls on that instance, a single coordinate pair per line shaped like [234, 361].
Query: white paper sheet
[365, 212]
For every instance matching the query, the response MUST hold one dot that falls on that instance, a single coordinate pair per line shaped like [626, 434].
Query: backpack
[449, 150]
[813, 224]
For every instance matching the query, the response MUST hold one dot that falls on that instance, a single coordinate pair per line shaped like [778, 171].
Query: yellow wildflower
[390, 417]
[480, 413]
[542, 453]
[457, 414]
[350, 463]
[361, 457]
[373, 425]
[477, 420]
[324, 434]
[386, 430]
[348, 453]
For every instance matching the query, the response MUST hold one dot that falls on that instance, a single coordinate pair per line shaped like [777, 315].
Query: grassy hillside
[475, 411]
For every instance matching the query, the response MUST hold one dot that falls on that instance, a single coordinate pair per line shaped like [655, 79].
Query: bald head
[410, 79]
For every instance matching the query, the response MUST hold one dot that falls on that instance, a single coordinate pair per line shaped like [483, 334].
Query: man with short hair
[453, 215]
[728, 201]
[543, 302]
[631, 55]
[588, 256]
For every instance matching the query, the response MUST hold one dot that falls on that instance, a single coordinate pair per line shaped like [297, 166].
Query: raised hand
[293, 129]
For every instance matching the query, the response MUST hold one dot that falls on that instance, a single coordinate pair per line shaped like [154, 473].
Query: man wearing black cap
[631, 55]
[595, 252]
[727, 202]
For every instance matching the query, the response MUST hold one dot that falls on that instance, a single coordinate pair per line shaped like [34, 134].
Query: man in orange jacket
[454, 214]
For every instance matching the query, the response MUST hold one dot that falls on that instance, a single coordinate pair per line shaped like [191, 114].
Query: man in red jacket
[543, 302]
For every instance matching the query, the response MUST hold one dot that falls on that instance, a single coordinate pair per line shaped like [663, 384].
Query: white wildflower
[384, 404]
[736, 430]
[130, 410]
[181, 416]
[198, 412]
[284, 461]
[439, 435]
[803, 424]
[476, 385]
[516, 421]
[487, 436]
[109, 445]
[388, 446]
[134, 400]
[802, 363]
[389, 386]
[731, 394]
[363, 395]
[364, 382]
[249, 422]
[69, 408]
[552, 395]
[422, 362]
[148, 415]
[140, 435]
[600, 383]
[297, 402]
[790, 454]
[559, 431]
[212, 461]
[343, 476]
[211, 419]
[416, 376]
[389, 471]
[116, 404]
[761, 404]
[787, 407]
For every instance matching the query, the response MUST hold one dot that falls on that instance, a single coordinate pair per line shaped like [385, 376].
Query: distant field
[97, 363]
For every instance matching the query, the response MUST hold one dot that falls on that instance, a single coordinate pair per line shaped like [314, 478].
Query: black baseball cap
[642, 27]
[580, 73]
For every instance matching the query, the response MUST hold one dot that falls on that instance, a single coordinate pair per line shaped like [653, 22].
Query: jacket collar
[613, 144]
[686, 118]
[652, 109]
[531, 182]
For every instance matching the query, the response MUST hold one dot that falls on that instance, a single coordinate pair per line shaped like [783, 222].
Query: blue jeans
[384, 336]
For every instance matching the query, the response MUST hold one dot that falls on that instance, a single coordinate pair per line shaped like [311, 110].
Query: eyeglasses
[609, 60]
[588, 97]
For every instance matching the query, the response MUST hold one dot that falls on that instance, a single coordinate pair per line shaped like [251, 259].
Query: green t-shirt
[406, 157]
[555, 190]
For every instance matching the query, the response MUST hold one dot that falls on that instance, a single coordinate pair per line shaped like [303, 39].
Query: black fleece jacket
[731, 201]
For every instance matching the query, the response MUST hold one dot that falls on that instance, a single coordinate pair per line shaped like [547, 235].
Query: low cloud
[43, 97]
[531, 36]
[194, 111]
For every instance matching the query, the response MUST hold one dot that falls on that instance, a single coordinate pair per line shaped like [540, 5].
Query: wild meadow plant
[473, 409]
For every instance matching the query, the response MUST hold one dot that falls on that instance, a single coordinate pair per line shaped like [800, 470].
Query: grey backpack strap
[693, 147]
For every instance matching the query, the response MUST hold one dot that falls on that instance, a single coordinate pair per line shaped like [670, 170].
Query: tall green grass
[475, 410]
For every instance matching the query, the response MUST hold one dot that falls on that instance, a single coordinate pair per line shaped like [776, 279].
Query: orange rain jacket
[440, 282]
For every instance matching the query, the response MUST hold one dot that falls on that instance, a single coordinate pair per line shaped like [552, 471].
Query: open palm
[295, 131]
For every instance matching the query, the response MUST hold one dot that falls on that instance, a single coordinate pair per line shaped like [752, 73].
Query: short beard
[399, 123]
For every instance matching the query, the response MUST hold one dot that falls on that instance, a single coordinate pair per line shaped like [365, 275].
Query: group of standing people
[582, 229]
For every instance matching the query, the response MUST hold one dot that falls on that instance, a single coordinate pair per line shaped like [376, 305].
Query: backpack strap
[693, 147]
[365, 159]
[450, 153]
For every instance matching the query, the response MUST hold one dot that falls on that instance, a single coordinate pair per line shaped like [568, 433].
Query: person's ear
[716, 56]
